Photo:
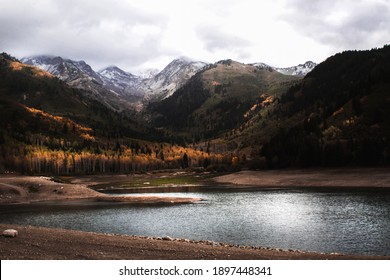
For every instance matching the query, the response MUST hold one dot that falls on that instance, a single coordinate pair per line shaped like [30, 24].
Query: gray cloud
[90, 13]
[341, 24]
[216, 40]
[100, 32]
[133, 33]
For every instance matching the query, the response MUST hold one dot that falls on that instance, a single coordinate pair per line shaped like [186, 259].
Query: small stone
[10, 233]
[168, 238]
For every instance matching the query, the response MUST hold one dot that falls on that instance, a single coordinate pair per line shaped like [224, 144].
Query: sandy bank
[322, 178]
[45, 243]
[29, 190]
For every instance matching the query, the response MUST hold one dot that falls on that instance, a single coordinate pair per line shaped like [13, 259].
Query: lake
[354, 222]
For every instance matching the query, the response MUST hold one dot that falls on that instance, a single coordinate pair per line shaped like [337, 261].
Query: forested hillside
[216, 100]
[338, 115]
[48, 127]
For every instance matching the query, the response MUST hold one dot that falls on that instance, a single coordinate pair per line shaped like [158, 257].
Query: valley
[61, 117]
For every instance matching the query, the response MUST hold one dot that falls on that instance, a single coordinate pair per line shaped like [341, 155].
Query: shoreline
[341, 178]
[28, 193]
[21, 189]
[61, 244]
[25, 191]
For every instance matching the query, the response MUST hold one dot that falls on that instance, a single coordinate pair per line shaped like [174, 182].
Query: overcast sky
[136, 35]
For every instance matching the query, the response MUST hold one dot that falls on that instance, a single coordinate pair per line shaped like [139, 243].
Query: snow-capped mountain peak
[65, 69]
[148, 73]
[299, 70]
[261, 65]
[120, 81]
[172, 77]
[110, 87]
[115, 83]
[120, 88]
[117, 74]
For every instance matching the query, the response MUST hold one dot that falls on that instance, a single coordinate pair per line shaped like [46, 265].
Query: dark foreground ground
[44, 243]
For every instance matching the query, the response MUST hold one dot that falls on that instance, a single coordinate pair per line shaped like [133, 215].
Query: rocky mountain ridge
[121, 89]
[120, 82]
[172, 77]
[115, 85]
[300, 70]
[80, 75]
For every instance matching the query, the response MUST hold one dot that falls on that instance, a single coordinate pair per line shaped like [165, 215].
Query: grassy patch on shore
[179, 180]
[158, 181]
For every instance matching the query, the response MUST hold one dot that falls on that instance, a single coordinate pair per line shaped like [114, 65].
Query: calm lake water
[323, 221]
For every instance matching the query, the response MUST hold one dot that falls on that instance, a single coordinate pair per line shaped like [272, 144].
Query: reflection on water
[348, 222]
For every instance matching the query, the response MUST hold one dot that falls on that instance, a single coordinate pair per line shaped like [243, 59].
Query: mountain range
[122, 90]
[68, 118]
[216, 99]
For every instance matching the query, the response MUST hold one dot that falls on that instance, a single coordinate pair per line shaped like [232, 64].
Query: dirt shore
[310, 178]
[31, 190]
[44, 243]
